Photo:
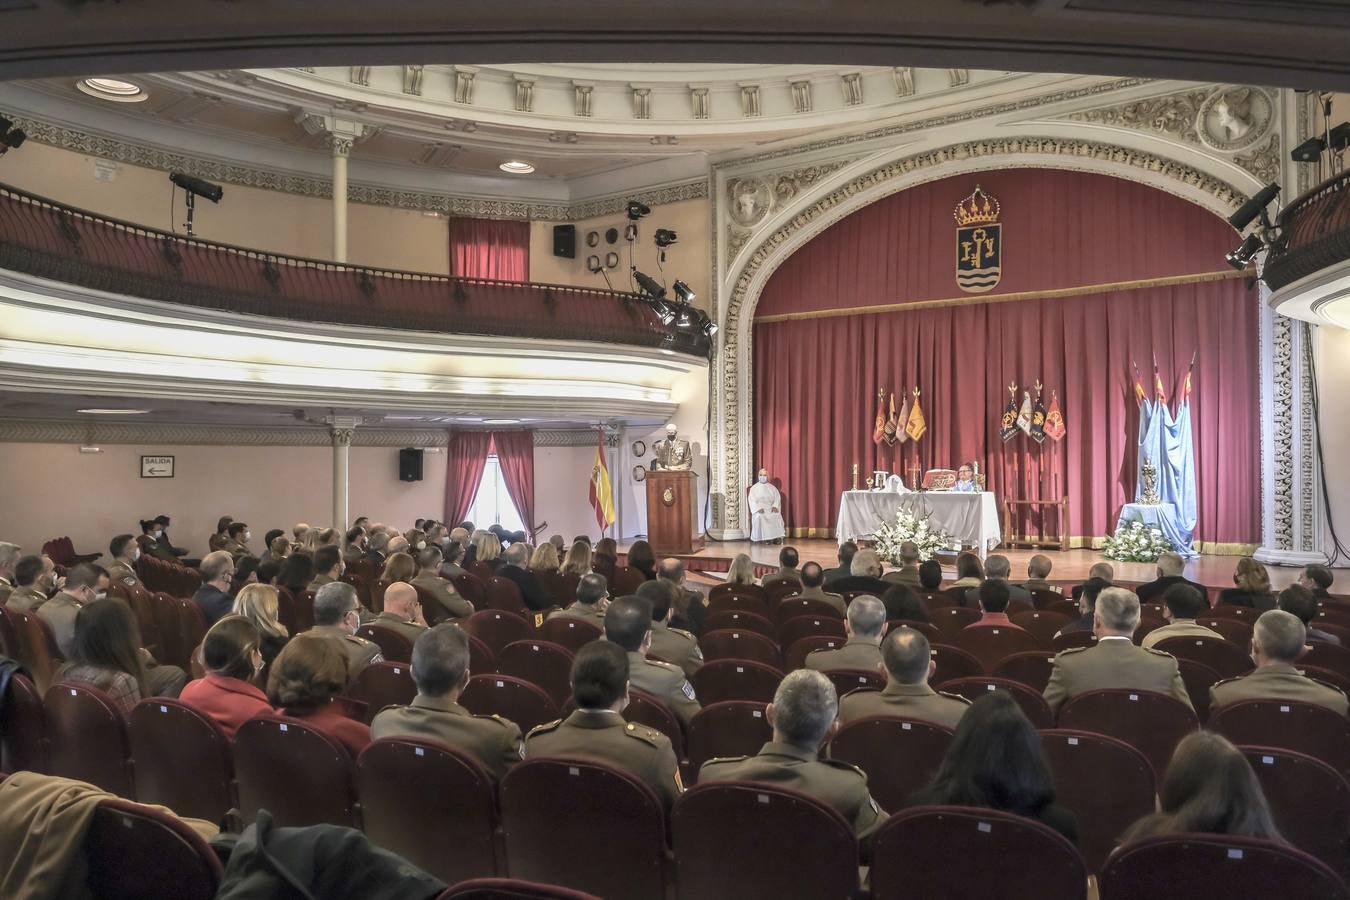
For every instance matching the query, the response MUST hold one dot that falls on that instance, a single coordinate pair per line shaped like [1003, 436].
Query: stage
[1211, 571]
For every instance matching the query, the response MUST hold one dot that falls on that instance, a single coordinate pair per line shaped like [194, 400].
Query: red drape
[515, 455]
[489, 248]
[816, 380]
[466, 458]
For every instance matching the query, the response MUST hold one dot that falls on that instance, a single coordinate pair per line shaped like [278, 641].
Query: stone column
[341, 429]
[342, 148]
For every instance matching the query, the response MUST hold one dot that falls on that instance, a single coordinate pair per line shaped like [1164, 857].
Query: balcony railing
[46, 239]
[1315, 233]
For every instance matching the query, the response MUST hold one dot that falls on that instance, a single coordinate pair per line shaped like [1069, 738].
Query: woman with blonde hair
[742, 570]
[487, 550]
[578, 559]
[399, 567]
[544, 558]
[304, 683]
[261, 605]
[969, 570]
[1253, 586]
[326, 536]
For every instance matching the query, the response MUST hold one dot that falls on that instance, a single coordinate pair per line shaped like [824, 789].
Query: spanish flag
[602, 494]
[916, 425]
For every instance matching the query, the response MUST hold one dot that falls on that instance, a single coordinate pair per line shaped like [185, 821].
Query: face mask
[136, 554]
[248, 535]
[421, 545]
[156, 534]
[764, 479]
[101, 596]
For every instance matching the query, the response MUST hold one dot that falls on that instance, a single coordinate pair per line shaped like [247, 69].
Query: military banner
[1054, 419]
[1008, 427]
[979, 243]
[889, 433]
[1037, 431]
[916, 425]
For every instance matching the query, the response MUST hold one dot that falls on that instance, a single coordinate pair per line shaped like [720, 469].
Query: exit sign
[156, 466]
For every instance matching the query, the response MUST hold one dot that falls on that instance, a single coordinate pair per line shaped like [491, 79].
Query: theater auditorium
[674, 451]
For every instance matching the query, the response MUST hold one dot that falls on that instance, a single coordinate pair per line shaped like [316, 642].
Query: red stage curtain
[815, 380]
[466, 457]
[515, 455]
[489, 248]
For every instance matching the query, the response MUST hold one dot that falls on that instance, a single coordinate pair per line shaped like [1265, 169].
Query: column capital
[339, 134]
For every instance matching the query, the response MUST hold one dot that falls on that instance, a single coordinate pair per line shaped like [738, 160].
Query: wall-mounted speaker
[565, 241]
[410, 464]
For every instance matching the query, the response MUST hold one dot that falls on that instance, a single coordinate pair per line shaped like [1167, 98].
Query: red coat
[228, 701]
[330, 719]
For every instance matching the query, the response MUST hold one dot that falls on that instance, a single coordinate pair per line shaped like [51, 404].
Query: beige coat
[493, 741]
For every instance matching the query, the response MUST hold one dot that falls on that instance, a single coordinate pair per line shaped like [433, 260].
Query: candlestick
[855, 476]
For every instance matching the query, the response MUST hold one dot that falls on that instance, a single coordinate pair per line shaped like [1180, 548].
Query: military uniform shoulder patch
[682, 633]
[642, 733]
[544, 729]
[129, 581]
[1229, 680]
[1156, 652]
[725, 759]
[846, 767]
[669, 667]
[1070, 651]
[958, 697]
[359, 641]
[493, 717]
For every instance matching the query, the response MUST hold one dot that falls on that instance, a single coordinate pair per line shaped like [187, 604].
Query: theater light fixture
[516, 167]
[709, 327]
[665, 311]
[1246, 252]
[1309, 151]
[198, 186]
[682, 292]
[649, 285]
[1255, 207]
[637, 210]
[11, 138]
[114, 89]
[665, 237]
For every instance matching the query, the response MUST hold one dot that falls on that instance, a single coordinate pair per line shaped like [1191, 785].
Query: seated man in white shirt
[965, 480]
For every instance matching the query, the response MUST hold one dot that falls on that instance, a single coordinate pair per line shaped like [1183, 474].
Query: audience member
[544, 558]
[1183, 604]
[217, 541]
[1170, 567]
[674, 645]
[448, 603]
[997, 568]
[337, 617]
[245, 573]
[1209, 788]
[969, 570]
[297, 571]
[864, 625]
[236, 541]
[1038, 569]
[628, 623]
[232, 656]
[9, 558]
[272, 549]
[605, 558]
[354, 545]
[1252, 586]
[995, 761]
[305, 681]
[813, 581]
[513, 570]
[1086, 594]
[691, 609]
[592, 598]
[213, 597]
[866, 577]
[908, 573]
[154, 542]
[845, 568]
[930, 575]
[559, 545]
[398, 567]
[994, 599]
[104, 652]
[908, 664]
[487, 550]
[327, 567]
[1300, 602]
[741, 571]
[124, 552]
[902, 603]
[1101, 571]
[596, 730]
[33, 577]
[402, 611]
[641, 557]
[804, 716]
[376, 548]
[1115, 661]
[261, 605]
[578, 559]
[440, 668]
[398, 544]
[452, 561]
[1318, 580]
[417, 540]
[787, 568]
[84, 584]
[1277, 643]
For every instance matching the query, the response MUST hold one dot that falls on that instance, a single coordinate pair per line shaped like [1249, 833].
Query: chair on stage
[975, 854]
[734, 679]
[875, 744]
[735, 644]
[1031, 701]
[727, 728]
[514, 699]
[1209, 865]
[1150, 722]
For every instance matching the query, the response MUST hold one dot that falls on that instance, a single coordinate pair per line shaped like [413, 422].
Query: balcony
[1308, 268]
[48, 240]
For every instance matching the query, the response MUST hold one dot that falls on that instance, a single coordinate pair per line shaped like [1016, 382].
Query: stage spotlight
[593, 264]
[682, 292]
[1245, 253]
[11, 138]
[665, 237]
[665, 310]
[685, 316]
[1308, 151]
[1340, 137]
[649, 285]
[636, 210]
[198, 186]
[1249, 211]
[709, 327]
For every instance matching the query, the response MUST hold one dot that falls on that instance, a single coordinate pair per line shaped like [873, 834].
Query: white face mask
[248, 535]
[136, 554]
[421, 545]
[764, 479]
[156, 534]
[100, 596]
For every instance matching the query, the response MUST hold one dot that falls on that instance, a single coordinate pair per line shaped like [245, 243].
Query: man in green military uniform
[600, 681]
[402, 611]
[592, 599]
[453, 605]
[124, 551]
[9, 558]
[628, 623]
[675, 645]
[33, 577]
[908, 665]
[327, 566]
[1115, 662]
[1278, 639]
[865, 626]
[236, 544]
[803, 716]
[336, 615]
[1184, 603]
[440, 667]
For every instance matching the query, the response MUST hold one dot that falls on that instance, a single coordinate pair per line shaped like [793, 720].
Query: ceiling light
[109, 411]
[113, 89]
[501, 421]
[516, 167]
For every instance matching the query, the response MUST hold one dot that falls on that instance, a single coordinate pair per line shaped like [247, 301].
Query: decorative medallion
[751, 200]
[639, 473]
[668, 496]
[1234, 118]
[979, 243]
[592, 239]
[639, 448]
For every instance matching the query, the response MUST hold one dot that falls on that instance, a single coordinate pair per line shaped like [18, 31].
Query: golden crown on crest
[977, 209]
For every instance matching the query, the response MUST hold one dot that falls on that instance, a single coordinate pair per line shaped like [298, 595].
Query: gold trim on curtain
[1076, 542]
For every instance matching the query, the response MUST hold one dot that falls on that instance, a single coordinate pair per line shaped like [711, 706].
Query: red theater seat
[1031, 701]
[1151, 723]
[1208, 865]
[1222, 656]
[513, 699]
[183, 759]
[23, 728]
[729, 728]
[733, 679]
[539, 662]
[990, 644]
[496, 628]
[736, 644]
[383, 684]
[136, 852]
[511, 889]
[877, 745]
[570, 632]
[88, 736]
[1032, 669]
[1301, 727]
[741, 620]
[394, 646]
[300, 775]
[1309, 800]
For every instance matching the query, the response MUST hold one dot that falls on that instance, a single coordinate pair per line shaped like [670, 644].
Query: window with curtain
[489, 248]
[492, 504]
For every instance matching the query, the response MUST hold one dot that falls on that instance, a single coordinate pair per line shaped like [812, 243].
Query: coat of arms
[979, 243]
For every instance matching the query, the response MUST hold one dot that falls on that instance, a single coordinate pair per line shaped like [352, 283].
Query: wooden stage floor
[1211, 571]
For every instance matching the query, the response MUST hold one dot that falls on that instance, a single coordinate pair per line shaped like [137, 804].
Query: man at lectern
[965, 481]
[766, 510]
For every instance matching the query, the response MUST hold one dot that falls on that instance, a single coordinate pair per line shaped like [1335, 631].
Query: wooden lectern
[672, 513]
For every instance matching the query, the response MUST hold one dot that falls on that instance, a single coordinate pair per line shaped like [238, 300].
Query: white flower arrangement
[910, 528]
[1136, 542]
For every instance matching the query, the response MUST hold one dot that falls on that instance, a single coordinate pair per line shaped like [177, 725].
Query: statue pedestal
[672, 513]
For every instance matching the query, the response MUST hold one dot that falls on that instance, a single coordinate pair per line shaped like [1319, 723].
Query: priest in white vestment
[766, 511]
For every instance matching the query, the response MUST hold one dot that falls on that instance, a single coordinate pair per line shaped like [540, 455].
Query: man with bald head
[907, 664]
[402, 611]
[865, 625]
[1278, 640]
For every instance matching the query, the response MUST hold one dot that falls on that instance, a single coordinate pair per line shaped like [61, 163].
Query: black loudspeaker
[565, 241]
[410, 464]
